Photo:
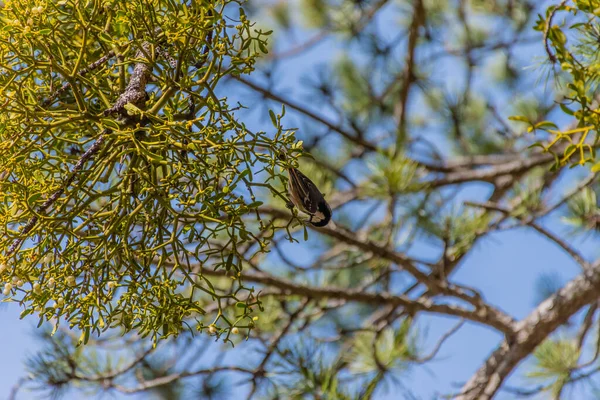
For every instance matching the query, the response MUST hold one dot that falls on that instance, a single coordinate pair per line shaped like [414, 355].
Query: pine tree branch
[259, 371]
[532, 331]
[305, 111]
[486, 315]
[489, 174]
[165, 380]
[577, 257]
[440, 343]
[408, 78]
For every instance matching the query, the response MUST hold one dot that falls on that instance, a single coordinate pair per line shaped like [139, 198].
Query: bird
[307, 197]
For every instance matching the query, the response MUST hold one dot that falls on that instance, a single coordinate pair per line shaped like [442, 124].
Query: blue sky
[504, 266]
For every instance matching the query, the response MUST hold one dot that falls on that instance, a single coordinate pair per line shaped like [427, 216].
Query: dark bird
[305, 195]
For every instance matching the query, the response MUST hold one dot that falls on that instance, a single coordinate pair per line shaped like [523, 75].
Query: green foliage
[173, 189]
[458, 229]
[56, 363]
[554, 362]
[315, 13]
[312, 373]
[572, 51]
[391, 175]
[371, 356]
[386, 351]
[354, 88]
[583, 213]
[462, 230]
[528, 194]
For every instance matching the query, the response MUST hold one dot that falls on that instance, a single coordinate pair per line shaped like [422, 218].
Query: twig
[81, 72]
[551, 56]
[489, 174]
[316, 39]
[487, 316]
[259, 371]
[208, 42]
[530, 222]
[525, 392]
[118, 372]
[16, 387]
[165, 380]
[596, 353]
[440, 342]
[418, 19]
[588, 320]
[295, 106]
[94, 148]
[583, 184]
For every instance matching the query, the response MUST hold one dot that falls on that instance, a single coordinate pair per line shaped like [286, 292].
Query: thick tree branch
[533, 330]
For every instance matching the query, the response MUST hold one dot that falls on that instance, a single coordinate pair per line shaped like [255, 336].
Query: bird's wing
[307, 190]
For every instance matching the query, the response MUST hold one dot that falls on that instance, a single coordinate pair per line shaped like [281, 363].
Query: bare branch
[486, 316]
[164, 380]
[440, 342]
[489, 174]
[408, 77]
[312, 115]
[529, 222]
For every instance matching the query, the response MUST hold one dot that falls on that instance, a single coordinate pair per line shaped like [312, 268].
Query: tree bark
[530, 332]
